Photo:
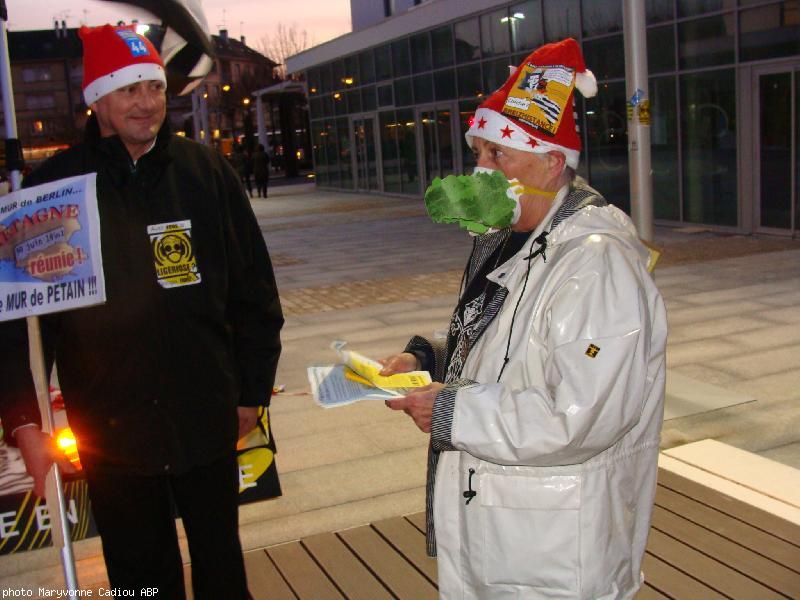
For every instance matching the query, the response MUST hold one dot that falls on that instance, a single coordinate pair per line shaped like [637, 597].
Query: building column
[196, 115]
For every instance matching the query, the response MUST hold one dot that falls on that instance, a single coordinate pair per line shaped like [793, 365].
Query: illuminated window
[33, 74]
[36, 101]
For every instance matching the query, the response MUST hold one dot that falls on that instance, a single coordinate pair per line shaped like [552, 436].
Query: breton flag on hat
[114, 57]
[534, 110]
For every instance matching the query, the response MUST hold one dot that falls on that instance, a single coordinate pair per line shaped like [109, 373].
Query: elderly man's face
[134, 113]
[533, 170]
[541, 172]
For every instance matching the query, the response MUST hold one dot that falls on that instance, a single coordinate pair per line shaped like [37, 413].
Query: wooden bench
[703, 545]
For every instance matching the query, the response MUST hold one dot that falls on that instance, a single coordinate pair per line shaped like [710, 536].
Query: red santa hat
[116, 56]
[534, 110]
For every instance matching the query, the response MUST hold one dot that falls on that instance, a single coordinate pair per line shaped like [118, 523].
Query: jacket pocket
[531, 530]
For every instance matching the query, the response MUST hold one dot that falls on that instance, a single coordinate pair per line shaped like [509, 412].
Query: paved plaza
[374, 270]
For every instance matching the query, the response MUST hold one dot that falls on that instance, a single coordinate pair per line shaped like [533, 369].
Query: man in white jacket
[546, 414]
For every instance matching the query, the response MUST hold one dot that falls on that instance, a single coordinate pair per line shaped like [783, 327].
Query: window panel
[445, 84]
[601, 16]
[687, 8]
[708, 142]
[467, 40]
[368, 100]
[345, 162]
[351, 72]
[402, 92]
[407, 145]
[385, 95]
[606, 57]
[466, 110]
[469, 81]
[421, 52]
[383, 63]
[366, 61]
[389, 153]
[526, 25]
[401, 59]
[442, 42]
[561, 19]
[332, 153]
[354, 101]
[664, 148]
[338, 74]
[775, 149]
[607, 138]
[658, 11]
[661, 49]
[495, 33]
[423, 88]
[706, 42]
[770, 31]
[495, 73]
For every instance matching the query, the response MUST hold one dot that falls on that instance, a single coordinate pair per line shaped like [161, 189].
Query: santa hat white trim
[586, 83]
[501, 130]
[122, 77]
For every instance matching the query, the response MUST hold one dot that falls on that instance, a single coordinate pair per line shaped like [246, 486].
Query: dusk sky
[323, 19]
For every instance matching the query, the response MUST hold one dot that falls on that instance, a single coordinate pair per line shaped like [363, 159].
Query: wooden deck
[703, 545]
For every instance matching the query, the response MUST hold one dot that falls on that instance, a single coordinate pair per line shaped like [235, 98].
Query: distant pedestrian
[242, 162]
[261, 170]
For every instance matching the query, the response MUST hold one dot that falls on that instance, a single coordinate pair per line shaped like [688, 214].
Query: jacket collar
[503, 275]
[115, 159]
[113, 148]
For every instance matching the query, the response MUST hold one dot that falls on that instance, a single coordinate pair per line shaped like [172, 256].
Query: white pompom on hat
[534, 110]
[114, 57]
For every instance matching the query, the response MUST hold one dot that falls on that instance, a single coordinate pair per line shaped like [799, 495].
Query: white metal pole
[54, 486]
[638, 98]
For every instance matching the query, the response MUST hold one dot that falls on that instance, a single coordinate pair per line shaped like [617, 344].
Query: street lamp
[517, 16]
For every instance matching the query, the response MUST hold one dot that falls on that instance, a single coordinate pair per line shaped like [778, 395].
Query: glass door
[438, 149]
[777, 129]
[366, 164]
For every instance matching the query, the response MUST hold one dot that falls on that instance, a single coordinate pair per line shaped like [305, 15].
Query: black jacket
[152, 378]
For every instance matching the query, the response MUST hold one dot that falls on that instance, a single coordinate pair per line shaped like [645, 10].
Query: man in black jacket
[162, 379]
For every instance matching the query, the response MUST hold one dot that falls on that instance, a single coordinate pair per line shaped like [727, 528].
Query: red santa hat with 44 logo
[534, 110]
[114, 57]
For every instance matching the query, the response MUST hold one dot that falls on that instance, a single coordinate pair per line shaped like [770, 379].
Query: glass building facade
[725, 101]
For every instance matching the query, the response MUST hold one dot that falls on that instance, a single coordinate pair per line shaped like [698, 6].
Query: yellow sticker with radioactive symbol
[175, 262]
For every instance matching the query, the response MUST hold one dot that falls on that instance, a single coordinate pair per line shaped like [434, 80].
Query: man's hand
[418, 405]
[399, 363]
[248, 417]
[39, 452]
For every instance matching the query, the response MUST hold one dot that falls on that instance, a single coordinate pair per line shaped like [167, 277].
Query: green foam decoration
[476, 202]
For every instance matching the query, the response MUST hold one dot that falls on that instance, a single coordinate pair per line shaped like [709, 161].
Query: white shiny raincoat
[564, 447]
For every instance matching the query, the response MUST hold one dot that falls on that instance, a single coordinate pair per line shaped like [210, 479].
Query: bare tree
[285, 42]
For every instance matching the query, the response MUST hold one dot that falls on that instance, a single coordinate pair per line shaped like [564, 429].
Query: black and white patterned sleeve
[432, 355]
[442, 417]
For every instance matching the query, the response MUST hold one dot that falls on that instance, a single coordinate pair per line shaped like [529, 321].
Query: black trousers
[248, 184]
[261, 185]
[134, 516]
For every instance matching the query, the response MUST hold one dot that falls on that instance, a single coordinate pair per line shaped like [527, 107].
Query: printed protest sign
[50, 257]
